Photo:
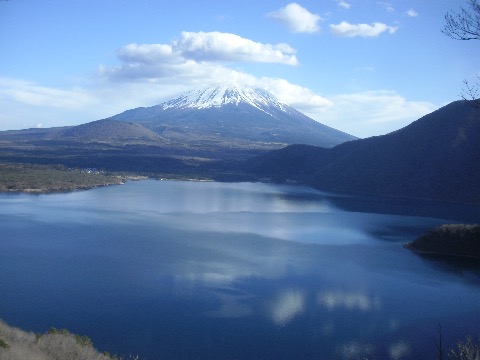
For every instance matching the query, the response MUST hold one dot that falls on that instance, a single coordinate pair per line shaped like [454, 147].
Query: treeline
[451, 239]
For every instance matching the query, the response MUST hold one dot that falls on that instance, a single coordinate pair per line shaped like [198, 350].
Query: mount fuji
[204, 133]
[232, 115]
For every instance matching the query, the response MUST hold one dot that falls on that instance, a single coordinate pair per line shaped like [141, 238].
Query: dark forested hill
[437, 156]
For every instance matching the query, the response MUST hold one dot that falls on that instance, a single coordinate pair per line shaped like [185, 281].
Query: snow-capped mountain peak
[228, 114]
[218, 95]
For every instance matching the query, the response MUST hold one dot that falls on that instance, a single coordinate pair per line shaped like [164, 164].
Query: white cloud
[346, 29]
[207, 46]
[388, 6]
[149, 74]
[412, 13]
[372, 112]
[193, 55]
[297, 18]
[344, 4]
[146, 53]
[157, 67]
[217, 46]
[294, 95]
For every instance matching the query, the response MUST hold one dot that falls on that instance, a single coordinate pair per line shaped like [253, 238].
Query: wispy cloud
[412, 13]
[343, 4]
[372, 112]
[25, 104]
[386, 5]
[345, 29]
[297, 18]
[29, 93]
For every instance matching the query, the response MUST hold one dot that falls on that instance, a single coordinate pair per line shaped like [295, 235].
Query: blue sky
[366, 67]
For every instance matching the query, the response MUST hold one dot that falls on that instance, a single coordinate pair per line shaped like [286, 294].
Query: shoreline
[408, 246]
[39, 179]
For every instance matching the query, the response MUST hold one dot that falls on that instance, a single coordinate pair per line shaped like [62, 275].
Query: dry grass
[466, 350]
[16, 344]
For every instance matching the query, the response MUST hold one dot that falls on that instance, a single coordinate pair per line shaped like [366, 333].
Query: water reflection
[232, 306]
[456, 212]
[399, 350]
[208, 270]
[355, 350]
[287, 305]
[351, 301]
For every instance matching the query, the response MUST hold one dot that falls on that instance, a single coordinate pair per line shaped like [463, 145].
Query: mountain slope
[108, 131]
[100, 131]
[219, 113]
[437, 156]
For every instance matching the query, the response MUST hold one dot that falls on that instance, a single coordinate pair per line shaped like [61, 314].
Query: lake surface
[204, 270]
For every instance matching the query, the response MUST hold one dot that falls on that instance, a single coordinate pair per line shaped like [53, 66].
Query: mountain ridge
[436, 156]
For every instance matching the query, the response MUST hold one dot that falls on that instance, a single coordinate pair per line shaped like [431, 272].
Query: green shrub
[3, 344]
[83, 340]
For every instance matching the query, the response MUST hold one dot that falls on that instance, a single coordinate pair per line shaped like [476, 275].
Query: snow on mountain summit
[220, 94]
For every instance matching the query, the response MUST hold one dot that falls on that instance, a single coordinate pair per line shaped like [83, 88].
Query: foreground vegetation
[48, 178]
[16, 344]
[452, 240]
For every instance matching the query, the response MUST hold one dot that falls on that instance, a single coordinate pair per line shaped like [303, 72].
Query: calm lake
[205, 270]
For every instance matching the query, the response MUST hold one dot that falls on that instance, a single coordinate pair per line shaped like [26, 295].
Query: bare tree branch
[472, 92]
[465, 24]
[439, 343]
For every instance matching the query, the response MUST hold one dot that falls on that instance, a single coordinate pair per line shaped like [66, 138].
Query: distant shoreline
[40, 179]
[47, 179]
